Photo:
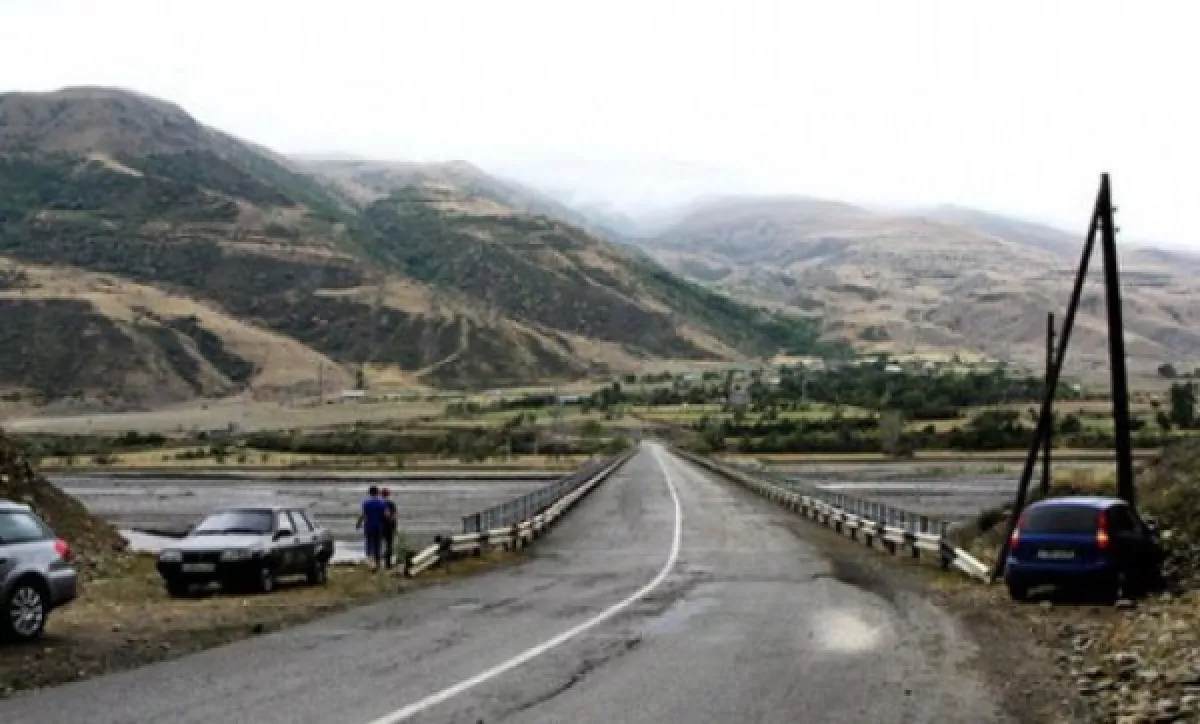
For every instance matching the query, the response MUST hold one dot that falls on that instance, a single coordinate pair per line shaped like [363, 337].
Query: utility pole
[1048, 438]
[1116, 345]
[1101, 225]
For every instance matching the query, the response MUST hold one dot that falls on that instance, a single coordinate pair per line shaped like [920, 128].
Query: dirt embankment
[96, 544]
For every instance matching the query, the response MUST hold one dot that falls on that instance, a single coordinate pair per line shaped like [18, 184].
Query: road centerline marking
[450, 692]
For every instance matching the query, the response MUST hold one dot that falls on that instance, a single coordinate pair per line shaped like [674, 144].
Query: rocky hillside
[147, 258]
[949, 280]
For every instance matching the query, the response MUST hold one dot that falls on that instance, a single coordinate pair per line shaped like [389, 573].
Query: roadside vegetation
[534, 434]
[865, 409]
[879, 406]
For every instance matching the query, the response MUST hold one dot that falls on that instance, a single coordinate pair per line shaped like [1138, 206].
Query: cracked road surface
[747, 623]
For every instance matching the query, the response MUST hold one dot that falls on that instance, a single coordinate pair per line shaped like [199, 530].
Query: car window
[302, 521]
[285, 521]
[17, 526]
[255, 522]
[297, 524]
[1060, 519]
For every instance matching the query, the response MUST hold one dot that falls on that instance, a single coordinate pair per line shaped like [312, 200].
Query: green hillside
[446, 287]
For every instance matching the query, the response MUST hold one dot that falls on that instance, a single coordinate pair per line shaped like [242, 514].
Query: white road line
[450, 692]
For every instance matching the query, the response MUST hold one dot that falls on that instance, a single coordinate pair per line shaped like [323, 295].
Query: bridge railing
[862, 506]
[515, 525]
[861, 519]
[531, 503]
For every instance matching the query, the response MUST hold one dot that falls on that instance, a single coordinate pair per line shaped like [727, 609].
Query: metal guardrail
[874, 511]
[869, 521]
[517, 532]
[528, 505]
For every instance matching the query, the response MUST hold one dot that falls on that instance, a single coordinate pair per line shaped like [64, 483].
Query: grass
[695, 413]
[244, 415]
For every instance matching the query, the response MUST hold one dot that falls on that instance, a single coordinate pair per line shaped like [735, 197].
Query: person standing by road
[371, 521]
[389, 528]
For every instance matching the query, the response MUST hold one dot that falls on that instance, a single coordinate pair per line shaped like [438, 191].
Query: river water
[425, 508]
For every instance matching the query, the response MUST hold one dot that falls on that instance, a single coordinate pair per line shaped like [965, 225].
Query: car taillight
[1016, 534]
[62, 549]
[1102, 531]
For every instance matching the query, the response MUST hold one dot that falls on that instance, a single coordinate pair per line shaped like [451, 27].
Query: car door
[287, 549]
[305, 540]
[322, 542]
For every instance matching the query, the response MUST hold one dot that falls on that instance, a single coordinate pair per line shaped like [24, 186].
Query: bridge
[670, 595]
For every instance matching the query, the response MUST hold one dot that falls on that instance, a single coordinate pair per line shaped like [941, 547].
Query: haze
[1013, 107]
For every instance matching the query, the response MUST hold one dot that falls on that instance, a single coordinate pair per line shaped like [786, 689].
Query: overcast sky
[1014, 107]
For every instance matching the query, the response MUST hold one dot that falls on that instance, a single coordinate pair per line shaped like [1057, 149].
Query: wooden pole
[1116, 346]
[1048, 438]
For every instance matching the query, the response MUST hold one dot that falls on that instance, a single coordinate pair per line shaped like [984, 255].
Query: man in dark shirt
[389, 528]
[371, 520]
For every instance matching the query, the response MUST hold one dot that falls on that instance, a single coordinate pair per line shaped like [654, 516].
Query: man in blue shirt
[372, 520]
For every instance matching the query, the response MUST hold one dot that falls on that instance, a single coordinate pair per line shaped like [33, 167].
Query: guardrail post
[443, 543]
[516, 536]
[483, 542]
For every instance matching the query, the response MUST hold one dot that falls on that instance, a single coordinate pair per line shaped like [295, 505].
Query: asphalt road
[667, 596]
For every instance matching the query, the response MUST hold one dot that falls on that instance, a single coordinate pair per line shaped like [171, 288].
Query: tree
[1167, 370]
[1164, 421]
[891, 432]
[1071, 425]
[1183, 404]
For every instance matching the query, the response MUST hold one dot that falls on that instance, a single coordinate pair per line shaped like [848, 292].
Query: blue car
[1096, 542]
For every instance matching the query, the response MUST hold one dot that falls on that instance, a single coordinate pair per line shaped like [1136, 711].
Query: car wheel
[1017, 591]
[25, 611]
[177, 588]
[317, 573]
[266, 579]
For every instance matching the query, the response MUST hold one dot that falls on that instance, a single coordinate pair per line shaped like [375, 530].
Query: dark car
[36, 575]
[248, 548]
[1100, 543]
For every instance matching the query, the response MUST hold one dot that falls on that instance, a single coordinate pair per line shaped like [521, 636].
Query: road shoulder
[1015, 660]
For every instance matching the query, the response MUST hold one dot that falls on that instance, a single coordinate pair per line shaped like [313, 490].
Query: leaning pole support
[1102, 222]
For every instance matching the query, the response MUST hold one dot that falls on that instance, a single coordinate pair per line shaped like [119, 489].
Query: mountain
[367, 181]
[146, 258]
[941, 281]
[1025, 233]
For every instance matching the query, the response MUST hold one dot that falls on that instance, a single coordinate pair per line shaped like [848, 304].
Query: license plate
[199, 567]
[1056, 555]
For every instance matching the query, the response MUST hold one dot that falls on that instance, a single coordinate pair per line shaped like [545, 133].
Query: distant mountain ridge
[147, 258]
[943, 280]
